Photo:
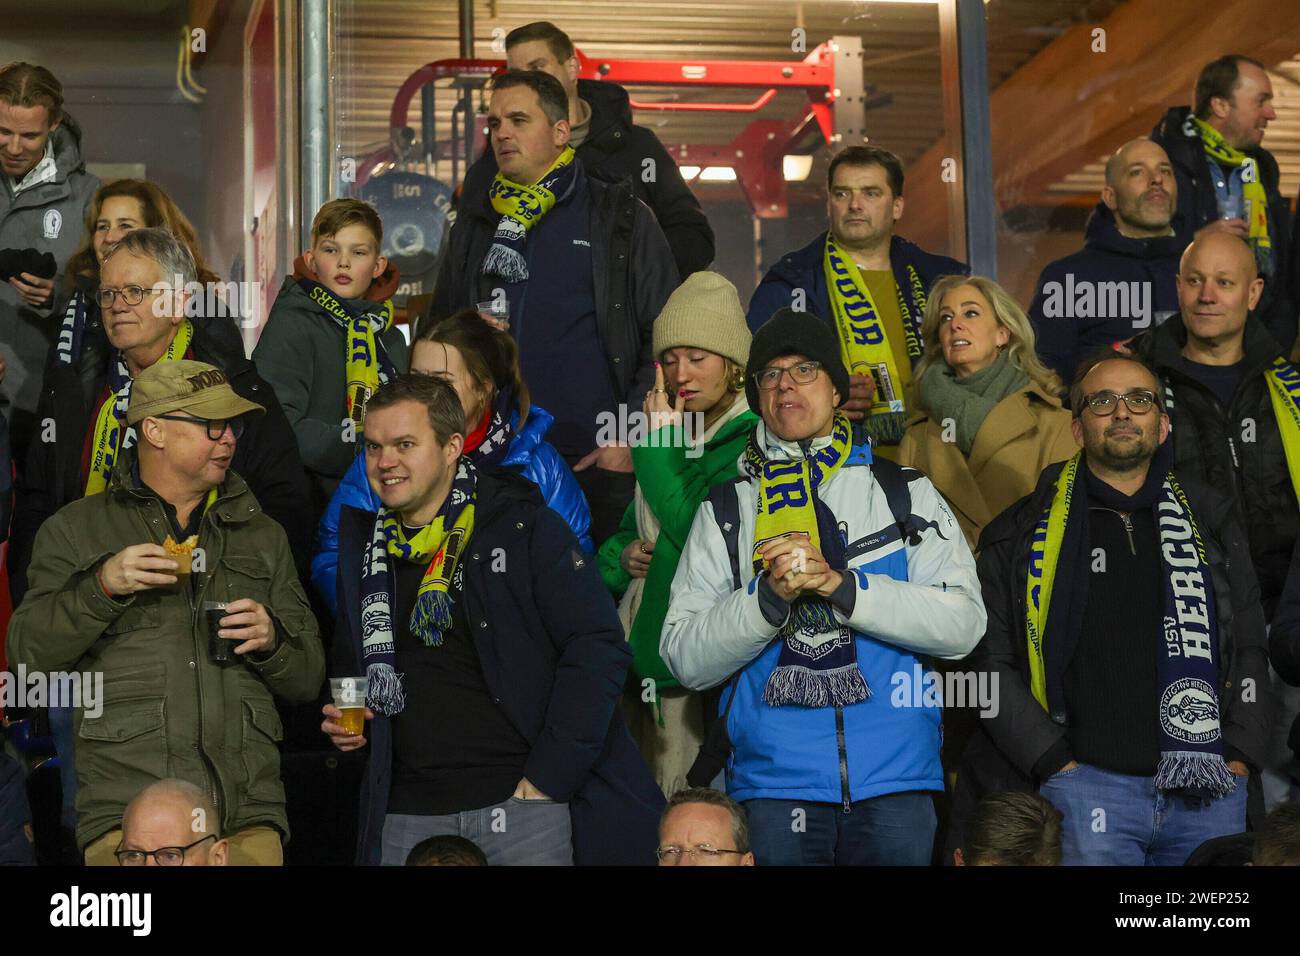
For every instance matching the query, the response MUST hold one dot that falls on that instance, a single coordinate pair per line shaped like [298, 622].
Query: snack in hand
[182, 553]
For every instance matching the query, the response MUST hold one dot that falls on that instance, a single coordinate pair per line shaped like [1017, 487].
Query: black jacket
[616, 151]
[266, 456]
[1284, 650]
[1210, 445]
[631, 262]
[1014, 749]
[1197, 207]
[554, 658]
[1063, 341]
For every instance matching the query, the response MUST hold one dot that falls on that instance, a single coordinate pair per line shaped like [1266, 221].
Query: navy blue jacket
[804, 270]
[1064, 340]
[1198, 206]
[554, 658]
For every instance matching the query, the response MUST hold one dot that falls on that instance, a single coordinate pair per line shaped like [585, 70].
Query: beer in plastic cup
[349, 696]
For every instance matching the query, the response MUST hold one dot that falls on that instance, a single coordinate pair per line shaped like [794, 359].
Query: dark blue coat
[803, 270]
[1063, 341]
[530, 454]
[554, 658]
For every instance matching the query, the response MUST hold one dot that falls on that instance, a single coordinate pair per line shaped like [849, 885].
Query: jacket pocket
[122, 750]
[262, 734]
[243, 576]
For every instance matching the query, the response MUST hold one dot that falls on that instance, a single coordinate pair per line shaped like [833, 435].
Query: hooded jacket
[52, 477]
[1237, 450]
[302, 352]
[49, 217]
[529, 455]
[615, 150]
[910, 599]
[1198, 206]
[803, 271]
[554, 659]
[167, 709]
[632, 266]
[1020, 745]
[1112, 289]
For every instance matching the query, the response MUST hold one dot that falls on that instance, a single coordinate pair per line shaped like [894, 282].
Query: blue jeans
[1114, 819]
[896, 829]
[513, 832]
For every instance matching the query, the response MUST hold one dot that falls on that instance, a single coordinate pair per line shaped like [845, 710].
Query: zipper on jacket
[1232, 448]
[844, 759]
[1127, 519]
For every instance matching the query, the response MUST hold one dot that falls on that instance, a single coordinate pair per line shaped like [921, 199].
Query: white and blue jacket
[908, 601]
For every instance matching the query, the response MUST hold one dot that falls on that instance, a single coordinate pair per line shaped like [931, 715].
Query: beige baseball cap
[195, 388]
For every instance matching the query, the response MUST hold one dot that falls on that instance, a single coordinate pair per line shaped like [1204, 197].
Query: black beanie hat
[789, 332]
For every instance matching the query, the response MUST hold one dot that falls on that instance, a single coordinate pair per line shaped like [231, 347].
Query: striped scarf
[520, 208]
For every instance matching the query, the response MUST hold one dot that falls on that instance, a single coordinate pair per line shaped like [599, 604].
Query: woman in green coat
[697, 424]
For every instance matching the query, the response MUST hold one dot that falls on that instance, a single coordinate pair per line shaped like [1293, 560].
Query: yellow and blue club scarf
[1217, 148]
[818, 664]
[520, 208]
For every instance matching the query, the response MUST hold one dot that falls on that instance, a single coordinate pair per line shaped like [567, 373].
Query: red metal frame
[755, 154]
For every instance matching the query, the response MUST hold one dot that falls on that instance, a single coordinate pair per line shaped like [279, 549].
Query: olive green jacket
[167, 710]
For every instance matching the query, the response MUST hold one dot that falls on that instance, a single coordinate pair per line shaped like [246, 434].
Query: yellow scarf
[1044, 552]
[527, 204]
[1217, 148]
[366, 360]
[786, 488]
[110, 423]
[1284, 389]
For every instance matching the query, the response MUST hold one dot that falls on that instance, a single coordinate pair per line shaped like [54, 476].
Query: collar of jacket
[611, 113]
[235, 504]
[1102, 234]
[1168, 339]
[1185, 149]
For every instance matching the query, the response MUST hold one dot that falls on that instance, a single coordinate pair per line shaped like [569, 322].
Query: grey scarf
[968, 401]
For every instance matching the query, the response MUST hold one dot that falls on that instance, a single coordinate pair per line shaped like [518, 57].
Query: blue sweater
[529, 454]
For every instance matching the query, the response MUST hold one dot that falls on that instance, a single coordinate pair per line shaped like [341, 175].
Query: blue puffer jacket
[529, 454]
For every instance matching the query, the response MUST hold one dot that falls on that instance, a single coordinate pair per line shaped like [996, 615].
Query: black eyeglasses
[216, 426]
[163, 856]
[801, 374]
[674, 854]
[1103, 404]
[131, 295]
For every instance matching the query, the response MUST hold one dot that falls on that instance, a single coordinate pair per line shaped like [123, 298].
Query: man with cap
[107, 597]
[811, 586]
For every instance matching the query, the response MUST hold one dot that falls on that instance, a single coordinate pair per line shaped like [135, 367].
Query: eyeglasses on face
[216, 426]
[131, 295]
[1139, 402]
[705, 853]
[801, 374]
[163, 856]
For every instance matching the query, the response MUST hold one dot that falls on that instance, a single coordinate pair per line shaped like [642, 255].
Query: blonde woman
[989, 415]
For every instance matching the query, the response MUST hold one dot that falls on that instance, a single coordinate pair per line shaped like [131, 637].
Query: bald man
[1234, 412]
[172, 823]
[1122, 281]
[1228, 182]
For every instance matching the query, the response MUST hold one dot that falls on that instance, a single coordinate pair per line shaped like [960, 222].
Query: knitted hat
[789, 332]
[703, 313]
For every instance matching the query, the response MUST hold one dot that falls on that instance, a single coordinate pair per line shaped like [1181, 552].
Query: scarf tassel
[505, 262]
[1193, 772]
[384, 694]
[796, 684]
[431, 617]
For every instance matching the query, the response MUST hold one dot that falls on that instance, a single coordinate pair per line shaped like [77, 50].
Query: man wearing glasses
[172, 823]
[811, 611]
[190, 661]
[82, 426]
[1127, 639]
[702, 827]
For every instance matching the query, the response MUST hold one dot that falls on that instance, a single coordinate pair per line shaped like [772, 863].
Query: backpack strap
[726, 512]
[893, 479]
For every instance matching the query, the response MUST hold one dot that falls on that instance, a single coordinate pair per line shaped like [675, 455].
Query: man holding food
[108, 593]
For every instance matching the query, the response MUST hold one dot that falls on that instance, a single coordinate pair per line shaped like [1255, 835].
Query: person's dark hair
[1219, 78]
[1013, 828]
[26, 85]
[159, 211]
[557, 41]
[490, 355]
[446, 851]
[1278, 841]
[445, 412]
[869, 156]
[713, 798]
[1107, 354]
[550, 93]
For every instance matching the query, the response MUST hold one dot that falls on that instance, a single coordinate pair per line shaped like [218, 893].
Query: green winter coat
[167, 710]
[302, 353]
[674, 486]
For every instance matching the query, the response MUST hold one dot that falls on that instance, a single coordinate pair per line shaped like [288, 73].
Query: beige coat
[1023, 434]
